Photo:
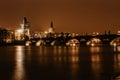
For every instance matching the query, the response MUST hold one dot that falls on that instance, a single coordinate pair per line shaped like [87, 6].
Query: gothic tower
[25, 27]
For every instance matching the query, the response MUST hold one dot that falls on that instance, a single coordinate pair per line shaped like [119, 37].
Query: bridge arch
[40, 42]
[73, 42]
[83, 40]
[115, 42]
[94, 41]
[55, 42]
[28, 43]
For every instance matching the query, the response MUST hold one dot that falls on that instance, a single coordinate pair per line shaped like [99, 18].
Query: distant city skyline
[77, 16]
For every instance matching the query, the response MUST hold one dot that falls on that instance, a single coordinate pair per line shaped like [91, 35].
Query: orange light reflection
[19, 72]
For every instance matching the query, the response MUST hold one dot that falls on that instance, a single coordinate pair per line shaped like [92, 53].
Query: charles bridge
[111, 39]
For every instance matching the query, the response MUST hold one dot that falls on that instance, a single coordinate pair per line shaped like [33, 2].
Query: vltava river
[59, 63]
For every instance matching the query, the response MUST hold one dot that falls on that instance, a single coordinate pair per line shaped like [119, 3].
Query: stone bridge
[91, 40]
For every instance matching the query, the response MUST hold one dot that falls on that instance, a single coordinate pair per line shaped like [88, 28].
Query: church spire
[25, 20]
[51, 24]
[51, 29]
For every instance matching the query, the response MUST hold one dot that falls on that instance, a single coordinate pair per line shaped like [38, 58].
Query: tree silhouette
[4, 33]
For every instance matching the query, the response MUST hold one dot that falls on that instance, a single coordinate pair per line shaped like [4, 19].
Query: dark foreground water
[59, 63]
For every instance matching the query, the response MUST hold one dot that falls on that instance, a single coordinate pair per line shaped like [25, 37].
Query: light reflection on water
[117, 60]
[94, 52]
[19, 71]
[96, 59]
[63, 62]
[58, 54]
[116, 48]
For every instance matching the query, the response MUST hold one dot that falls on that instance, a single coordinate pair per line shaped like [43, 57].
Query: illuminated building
[19, 35]
[24, 31]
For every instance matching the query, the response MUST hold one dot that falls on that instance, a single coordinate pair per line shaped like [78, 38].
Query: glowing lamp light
[46, 32]
[114, 44]
[68, 44]
[27, 43]
[92, 44]
[38, 43]
[74, 44]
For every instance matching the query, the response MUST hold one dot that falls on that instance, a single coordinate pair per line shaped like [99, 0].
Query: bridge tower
[25, 26]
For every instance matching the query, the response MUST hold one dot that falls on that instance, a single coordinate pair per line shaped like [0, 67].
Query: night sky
[68, 15]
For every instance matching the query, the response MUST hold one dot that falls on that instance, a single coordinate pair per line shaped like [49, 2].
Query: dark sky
[68, 15]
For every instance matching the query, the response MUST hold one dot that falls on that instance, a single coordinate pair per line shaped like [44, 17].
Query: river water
[59, 63]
